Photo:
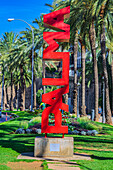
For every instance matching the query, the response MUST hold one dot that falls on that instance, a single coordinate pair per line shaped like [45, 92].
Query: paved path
[66, 165]
[58, 163]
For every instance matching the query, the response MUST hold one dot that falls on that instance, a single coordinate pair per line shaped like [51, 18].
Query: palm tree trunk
[34, 92]
[83, 81]
[112, 83]
[7, 99]
[83, 51]
[22, 89]
[16, 96]
[17, 106]
[66, 98]
[93, 50]
[11, 99]
[2, 97]
[75, 74]
[102, 42]
[24, 94]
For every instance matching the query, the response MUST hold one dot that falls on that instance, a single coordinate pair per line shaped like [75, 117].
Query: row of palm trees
[91, 24]
[16, 61]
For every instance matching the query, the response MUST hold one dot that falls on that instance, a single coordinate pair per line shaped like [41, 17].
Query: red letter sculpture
[55, 20]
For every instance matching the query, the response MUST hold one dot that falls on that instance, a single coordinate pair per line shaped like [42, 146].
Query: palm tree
[7, 44]
[109, 45]
[38, 43]
[21, 61]
[83, 54]
[2, 97]
[92, 36]
[102, 10]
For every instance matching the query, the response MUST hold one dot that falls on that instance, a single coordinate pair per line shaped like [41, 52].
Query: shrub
[91, 126]
[28, 131]
[85, 123]
[73, 116]
[24, 124]
[76, 132]
[34, 121]
[66, 113]
[92, 132]
[20, 131]
[83, 119]
[71, 128]
[38, 112]
[83, 133]
[44, 165]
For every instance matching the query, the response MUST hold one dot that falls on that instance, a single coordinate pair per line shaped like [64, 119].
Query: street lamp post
[12, 19]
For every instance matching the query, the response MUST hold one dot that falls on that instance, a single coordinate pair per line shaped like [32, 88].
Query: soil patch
[25, 165]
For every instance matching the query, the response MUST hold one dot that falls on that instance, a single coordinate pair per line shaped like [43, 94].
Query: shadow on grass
[17, 145]
[101, 158]
[92, 139]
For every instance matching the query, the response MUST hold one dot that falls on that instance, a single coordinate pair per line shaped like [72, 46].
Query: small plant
[28, 131]
[83, 119]
[85, 123]
[71, 128]
[24, 124]
[83, 133]
[76, 132]
[38, 112]
[44, 165]
[34, 121]
[20, 131]
[73, 116]
[66, 113]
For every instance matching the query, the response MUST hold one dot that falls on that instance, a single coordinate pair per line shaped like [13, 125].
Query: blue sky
[27, 10]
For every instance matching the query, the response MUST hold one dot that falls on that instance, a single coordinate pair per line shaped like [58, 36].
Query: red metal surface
[55, 20]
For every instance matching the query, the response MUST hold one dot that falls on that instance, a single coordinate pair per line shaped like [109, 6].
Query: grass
[11, 145]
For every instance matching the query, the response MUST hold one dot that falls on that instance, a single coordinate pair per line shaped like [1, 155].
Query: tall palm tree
[7, 44]
[83, 57]
[2, 96]
[92, 36]
[109, 45]
[38, 43]
[102, 9]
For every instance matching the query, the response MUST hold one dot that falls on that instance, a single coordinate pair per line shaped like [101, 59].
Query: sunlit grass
[11, 145]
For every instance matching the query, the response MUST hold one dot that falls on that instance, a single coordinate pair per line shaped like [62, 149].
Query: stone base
[53, 147]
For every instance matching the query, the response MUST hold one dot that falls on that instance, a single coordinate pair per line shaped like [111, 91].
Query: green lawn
[11, 145]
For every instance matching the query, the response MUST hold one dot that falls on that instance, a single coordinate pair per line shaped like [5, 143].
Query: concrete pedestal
[53, 147]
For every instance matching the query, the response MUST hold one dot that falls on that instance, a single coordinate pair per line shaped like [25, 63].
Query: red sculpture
[55, 20]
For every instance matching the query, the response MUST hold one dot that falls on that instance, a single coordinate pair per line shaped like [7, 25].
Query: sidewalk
[66, 165]
[58, 163]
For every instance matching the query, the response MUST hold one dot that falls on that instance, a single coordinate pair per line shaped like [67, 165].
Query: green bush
[73, 116]
[83, 119]
[85, 123]
[66, 113]
[38, 112]
[24, 124]
[34, 121]
[44, 165]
